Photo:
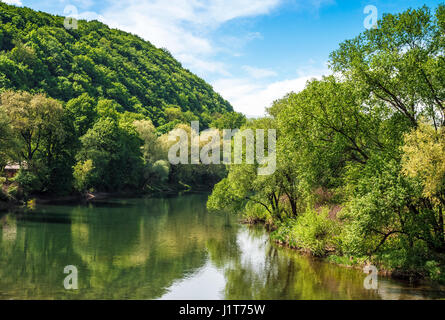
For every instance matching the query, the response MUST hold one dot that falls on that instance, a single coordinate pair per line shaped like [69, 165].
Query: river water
[166, 248]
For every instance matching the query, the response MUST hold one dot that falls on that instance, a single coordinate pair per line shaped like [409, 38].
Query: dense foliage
[367, 145]
[37, 54]
[90, 109]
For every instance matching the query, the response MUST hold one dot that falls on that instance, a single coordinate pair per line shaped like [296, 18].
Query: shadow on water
[47, 218]
[110, 204]
[165, 248]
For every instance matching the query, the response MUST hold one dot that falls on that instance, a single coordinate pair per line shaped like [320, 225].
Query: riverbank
[91, 197]
[280, 236]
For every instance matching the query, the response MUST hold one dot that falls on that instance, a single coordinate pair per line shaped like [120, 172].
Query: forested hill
[38, 54]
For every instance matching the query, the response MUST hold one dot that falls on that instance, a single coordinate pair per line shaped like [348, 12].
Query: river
[166, 248]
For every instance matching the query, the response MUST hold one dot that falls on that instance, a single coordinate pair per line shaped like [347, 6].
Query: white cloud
[183, 26]
[90, 15]
[203, 66]
[13, 2]
[251, 98]
[259, 73]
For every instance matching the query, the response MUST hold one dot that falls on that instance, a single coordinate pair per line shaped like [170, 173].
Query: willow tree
[36, 122]
[273, 196]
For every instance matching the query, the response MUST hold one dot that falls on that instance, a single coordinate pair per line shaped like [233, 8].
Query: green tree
[35, 120]
[400, 62]
[83, 112]
[115, 155]
[229, 120]
[82, 175]
[173, 113]
[152, 149]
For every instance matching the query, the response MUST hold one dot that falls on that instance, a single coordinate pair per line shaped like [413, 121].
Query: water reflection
[265, 271]
[165, 249]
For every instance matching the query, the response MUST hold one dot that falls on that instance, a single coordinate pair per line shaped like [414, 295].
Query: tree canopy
[37, 54]
[360, 153]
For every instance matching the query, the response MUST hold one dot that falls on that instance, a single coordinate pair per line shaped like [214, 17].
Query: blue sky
[251, 51]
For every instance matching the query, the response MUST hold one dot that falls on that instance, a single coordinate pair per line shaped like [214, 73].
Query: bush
[283, 232]
[436, 272]
[312, 231]
[29, 182]
[161, 170]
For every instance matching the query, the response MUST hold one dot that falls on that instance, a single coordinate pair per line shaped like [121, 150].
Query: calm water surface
[166, 249]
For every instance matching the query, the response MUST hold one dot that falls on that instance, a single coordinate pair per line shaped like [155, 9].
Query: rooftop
[16, 166]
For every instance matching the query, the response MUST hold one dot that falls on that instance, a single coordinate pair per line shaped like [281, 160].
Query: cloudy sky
[251, 51]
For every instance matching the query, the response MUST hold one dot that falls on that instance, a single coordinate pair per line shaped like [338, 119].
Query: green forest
[89, 109]
[360, 154]
[360, 174]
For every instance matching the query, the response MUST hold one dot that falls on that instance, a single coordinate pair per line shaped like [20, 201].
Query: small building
[11, 169]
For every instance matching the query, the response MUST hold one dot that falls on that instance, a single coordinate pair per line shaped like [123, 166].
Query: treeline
[83, 146]
[360, 154]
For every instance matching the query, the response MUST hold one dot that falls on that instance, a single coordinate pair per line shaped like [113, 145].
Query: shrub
[29, 182]
[284, 232]
[315, 232]
[161, 170]
[312, 231]
[436, 272]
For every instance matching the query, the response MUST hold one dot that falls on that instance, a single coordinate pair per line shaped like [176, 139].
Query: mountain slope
[38, 54]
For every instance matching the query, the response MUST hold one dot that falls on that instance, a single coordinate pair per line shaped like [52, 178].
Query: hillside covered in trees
[89, 109]
[37, 54]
